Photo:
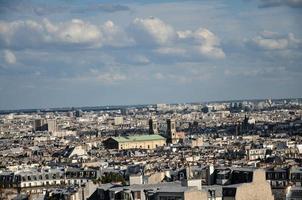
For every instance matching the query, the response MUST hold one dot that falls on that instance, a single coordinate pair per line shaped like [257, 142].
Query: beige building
[197, 142]
[258, 189]
[135, 142]
[255, 154]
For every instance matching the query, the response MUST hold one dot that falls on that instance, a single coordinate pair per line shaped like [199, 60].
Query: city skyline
[71, 54]
[118, 107]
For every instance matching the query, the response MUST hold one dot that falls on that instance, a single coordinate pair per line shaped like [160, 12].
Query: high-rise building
[124, 111]
[45, 125]
[70, 114]
[78, 113]
[52, 125]
[40, 125]
[153, 126]
[118, 121]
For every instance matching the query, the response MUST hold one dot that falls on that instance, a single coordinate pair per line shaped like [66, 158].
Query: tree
[113, 177]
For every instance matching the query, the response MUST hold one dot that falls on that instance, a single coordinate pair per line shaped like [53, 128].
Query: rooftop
[138, 138]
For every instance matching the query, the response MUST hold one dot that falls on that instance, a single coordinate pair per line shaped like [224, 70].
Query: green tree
[113, 177]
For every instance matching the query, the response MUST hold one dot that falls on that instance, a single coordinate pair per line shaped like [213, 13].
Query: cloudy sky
[84, 53]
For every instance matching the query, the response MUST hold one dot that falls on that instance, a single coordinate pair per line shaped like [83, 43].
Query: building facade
[135, 142]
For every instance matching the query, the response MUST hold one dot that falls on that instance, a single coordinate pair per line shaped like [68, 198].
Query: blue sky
[87, 53]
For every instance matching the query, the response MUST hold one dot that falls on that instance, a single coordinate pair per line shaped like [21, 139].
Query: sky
[100, 52]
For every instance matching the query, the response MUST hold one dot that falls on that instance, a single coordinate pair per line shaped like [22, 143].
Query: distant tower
[78, 113]
[153, 126]
[37, 124]
[245, 124]
[52, 125]
[171, 131]
[40, 125]
[45, 125]
[238, 128]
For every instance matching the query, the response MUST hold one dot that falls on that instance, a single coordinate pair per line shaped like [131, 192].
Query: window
[181, 176]
[137, 195]
[283, 175]
[126, 196]
[212, 194]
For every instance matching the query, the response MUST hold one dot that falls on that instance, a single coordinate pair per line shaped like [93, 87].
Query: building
[118, 121]
[52, 125]
[45, 125]
[189, 189]
[46, 177]
[78, 113]
[153, 126]
[278, 178]
[255, 154]
[40, 125]
[160, 191]
[134, 142]
[196, 142]
[242, 184]
[296, 176]
[294, 193]
[71, 151]
[171, 131]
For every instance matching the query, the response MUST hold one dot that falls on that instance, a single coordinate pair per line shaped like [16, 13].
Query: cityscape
[214, 150]
[150, 100]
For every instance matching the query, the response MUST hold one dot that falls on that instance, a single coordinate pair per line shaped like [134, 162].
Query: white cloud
[111, 76]
[152, 31]
[255, 71]
[273, 41]
[152, 34]
[18, 33]
[140, 59]
[270, 44]
[9, 57]
[115, 36]
[212, 52]
[75, 31]
[36, 34]
[208, 44]
[171, 51]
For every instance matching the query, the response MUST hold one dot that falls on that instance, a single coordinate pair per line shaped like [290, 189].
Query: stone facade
[258, 189]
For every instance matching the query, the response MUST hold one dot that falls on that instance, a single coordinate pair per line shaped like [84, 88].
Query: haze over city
[88, 53]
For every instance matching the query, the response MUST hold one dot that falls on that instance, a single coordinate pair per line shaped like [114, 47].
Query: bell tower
[153, 126]
[171, 131]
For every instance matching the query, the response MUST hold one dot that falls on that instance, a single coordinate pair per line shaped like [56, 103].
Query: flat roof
[138, 138]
